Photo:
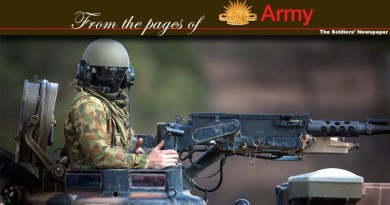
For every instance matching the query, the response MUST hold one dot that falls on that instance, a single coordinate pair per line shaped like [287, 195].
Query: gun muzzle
[372, 129]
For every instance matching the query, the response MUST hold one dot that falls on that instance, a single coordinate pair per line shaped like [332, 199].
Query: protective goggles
[106, 73]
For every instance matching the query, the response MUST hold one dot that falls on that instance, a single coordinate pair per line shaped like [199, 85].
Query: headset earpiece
[129, 79]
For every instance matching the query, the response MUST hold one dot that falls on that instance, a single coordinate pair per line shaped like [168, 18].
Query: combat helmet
[106, 53]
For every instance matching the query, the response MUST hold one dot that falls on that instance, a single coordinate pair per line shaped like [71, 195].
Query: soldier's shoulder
[83, 98]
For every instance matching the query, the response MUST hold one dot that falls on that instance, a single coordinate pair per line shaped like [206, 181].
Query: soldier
[97, 130]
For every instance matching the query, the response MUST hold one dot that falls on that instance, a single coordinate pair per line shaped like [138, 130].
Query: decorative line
[203, 29]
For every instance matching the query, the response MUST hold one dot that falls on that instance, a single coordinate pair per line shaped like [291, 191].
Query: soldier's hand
[137, 148]
[159, 159]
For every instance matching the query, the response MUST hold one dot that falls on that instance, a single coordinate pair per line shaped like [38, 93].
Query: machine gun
[272, 137]
[215, 135]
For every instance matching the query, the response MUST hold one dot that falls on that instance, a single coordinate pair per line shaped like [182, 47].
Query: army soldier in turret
[97, 129]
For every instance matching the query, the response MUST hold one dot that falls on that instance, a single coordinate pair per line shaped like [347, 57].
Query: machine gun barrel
[348, 128]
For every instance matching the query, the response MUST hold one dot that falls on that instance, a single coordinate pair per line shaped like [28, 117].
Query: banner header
[234, 17]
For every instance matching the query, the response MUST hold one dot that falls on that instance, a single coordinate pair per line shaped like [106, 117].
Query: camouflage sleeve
[91, 125]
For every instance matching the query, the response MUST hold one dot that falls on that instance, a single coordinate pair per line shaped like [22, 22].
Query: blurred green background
[332, 79]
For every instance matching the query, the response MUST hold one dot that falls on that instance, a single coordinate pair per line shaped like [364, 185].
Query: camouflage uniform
[97, 134]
